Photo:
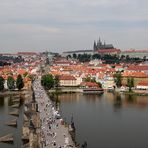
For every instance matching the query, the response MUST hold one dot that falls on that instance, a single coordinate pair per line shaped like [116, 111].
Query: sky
[64, 25]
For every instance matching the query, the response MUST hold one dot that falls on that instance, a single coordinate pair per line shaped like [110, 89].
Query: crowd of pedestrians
[53, 133]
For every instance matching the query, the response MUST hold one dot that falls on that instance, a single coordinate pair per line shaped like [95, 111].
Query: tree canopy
[130, 83]
[1, 83]
[118, 79]
[47, 81]
[19, 82]
[11, 83]
[107, 58]
[56, 81]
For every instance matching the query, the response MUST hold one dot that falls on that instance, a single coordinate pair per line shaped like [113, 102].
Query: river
[109, 120]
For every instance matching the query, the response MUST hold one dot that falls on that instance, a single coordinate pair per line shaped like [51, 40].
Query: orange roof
[27, 79]
[27, 53]
[89, 84]
[143, 83]
[21, 71]
[67, 77]
[109, 50]
[138, 67]
[134, 74]
[135, 51]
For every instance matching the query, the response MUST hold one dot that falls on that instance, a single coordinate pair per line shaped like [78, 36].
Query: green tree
[87, 79]
[25, 74]
[144, 58]
[11, 83]
[56, 81]
[19, 82]
[1, 83]
[68, 56]
[118, 79]
[74, 56]
[90, 79]
[100, 85]
[130, 83]
[127, 58]
[96, 56]
[47, 81]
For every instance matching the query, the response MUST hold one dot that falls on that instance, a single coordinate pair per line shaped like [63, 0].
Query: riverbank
[65, 90]
[136, 92]
[61, 90]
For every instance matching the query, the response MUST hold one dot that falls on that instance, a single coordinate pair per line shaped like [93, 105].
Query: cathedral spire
[104, 43]
[95, 46]
[99, 40]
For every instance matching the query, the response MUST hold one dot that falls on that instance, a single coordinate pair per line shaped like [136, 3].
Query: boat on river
[92, 90]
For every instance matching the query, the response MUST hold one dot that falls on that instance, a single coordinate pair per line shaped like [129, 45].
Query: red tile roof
[138, 68]
[27, 53]
[89, 84]
[67, 77]
[21, 71]
[134, 74]
[108, 50]
[143, 83]
[135, 51]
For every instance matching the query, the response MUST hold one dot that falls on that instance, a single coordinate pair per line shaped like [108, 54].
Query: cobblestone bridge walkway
[53, 133]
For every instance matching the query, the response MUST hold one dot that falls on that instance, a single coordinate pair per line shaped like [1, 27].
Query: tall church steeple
[95, 46]
[100, 45]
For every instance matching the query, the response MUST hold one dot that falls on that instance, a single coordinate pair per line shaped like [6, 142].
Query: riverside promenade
[53, 133]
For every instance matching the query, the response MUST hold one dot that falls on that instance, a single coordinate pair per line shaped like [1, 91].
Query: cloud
[27, 29]
[71, 23]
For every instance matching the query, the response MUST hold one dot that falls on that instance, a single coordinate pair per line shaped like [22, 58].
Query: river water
[5, 109]
[110, 120]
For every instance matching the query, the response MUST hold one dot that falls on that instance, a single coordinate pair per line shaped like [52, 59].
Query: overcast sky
[62, 25]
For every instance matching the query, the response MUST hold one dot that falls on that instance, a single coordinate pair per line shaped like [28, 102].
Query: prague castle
[99, 45]
[103, 48]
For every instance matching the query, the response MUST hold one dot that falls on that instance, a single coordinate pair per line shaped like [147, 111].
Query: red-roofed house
[138, 77]
[89, 85]
[113, 51]
[67, 80]
[21, 71]
[142, 85]
[143, 68]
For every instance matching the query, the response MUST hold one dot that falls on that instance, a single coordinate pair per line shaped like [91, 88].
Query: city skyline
[63, 25]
